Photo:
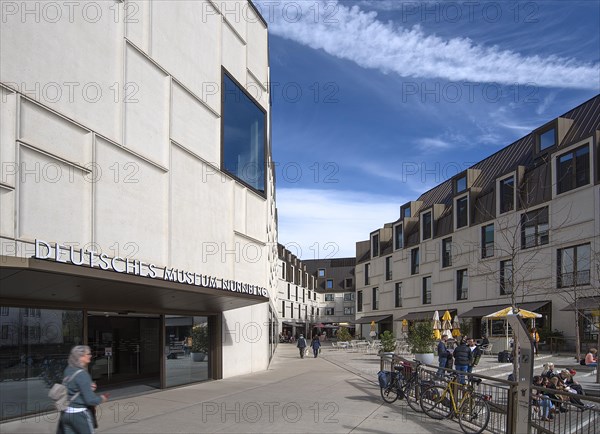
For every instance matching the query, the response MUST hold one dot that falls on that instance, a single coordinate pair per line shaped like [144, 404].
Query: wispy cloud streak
[353, 34]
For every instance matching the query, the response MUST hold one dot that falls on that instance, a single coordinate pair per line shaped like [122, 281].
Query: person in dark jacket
[301, 345]
[316, 345]
[78, 419]
[475, 354]
[442, 352]
[462, 359]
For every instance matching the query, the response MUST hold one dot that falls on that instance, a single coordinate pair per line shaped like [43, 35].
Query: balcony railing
[578, 278]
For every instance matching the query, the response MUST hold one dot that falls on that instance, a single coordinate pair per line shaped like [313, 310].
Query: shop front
[145, 332]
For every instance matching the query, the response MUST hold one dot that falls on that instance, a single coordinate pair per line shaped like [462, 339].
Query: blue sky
[375, 102]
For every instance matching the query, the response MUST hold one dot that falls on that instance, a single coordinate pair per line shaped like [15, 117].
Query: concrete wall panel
[8, 113]
[147, 111]
[192, 53]
[69, 57]
[202, 135]
[54, 134]
[130, 205]
[55, 200]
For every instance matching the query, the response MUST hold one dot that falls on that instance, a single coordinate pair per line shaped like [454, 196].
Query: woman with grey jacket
[77, 419]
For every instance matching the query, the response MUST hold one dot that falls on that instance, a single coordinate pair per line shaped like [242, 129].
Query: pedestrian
[301, 345]
[79, 417]
[591, 358]
[462, 358]
[316, 345]
[535, 338]
[442, 352]
[475, 354]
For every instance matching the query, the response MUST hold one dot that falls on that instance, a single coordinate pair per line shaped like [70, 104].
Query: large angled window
[243, 124]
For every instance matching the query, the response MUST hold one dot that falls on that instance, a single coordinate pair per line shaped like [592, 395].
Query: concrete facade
[551, 208]
[111, 141]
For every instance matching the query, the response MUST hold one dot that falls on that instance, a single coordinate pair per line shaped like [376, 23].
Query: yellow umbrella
[508, 310]
[404, 325]
[437, 334]
[502, 314]
[456, 327]
[447, 316]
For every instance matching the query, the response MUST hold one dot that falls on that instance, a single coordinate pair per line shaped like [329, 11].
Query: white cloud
[318, 224]
[353, 34]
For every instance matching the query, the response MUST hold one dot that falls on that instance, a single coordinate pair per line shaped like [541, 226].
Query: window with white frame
[375, 299]
[349, 310]
[506, 277]
[427, 290]
[398, 295]
[534, 228]
[329, 297]
[487, 241]
[348, 296]
[573, 169]
[447, 252]
[574, 265]
[330, 311]
[388, 268]
[462, 285]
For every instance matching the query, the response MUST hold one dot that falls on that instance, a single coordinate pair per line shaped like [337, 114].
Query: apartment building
[299, 304]
[136, 194]
[336, 283]
[517, 228]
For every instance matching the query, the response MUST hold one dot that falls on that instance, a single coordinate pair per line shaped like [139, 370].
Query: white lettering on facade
[91, 258]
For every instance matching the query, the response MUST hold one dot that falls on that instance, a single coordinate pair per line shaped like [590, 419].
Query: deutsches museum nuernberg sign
[136, 267]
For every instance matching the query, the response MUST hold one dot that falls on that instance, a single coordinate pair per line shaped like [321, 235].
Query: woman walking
[78, 418]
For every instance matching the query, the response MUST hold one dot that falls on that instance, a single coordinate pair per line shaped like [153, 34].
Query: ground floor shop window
[33, 354]
[186, 349]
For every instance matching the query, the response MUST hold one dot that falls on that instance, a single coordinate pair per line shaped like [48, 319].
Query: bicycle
[399, 387]
[472, 410]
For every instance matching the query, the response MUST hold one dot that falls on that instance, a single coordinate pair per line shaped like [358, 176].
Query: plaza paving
[335, 393]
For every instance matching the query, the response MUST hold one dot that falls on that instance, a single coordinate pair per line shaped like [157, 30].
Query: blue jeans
[316, 351]
[546, 405]
[463, 368]
[593, 365]
[442, 365]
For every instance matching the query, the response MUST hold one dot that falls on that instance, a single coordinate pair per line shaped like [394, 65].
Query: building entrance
[125, 348]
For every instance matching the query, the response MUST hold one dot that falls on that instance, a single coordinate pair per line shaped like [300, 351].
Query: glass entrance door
[125, 348]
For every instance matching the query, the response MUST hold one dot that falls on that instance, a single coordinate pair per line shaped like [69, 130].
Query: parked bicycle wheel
[412, 393]
[474, 415]
[390, 393]
[435, 402]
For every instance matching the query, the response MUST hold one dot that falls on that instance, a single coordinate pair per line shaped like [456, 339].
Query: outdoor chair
[487, 349]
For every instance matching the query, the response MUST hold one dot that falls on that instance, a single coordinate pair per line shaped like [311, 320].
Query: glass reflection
[186, 349]
[34, 347]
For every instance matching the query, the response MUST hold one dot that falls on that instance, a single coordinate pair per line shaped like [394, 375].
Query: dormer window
[426, 229]
[462, 212]
[547, 139]
[460, 184]
[375, 245]
[507, 194]
[406, 212]
[398, 237]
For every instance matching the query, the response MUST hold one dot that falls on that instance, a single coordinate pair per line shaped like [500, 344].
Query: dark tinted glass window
[243, 136]
[507, 189]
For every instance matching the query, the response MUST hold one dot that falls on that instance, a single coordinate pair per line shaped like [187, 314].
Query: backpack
[60, 394]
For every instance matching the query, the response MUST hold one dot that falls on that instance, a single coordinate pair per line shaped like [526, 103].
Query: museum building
[137, 197]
